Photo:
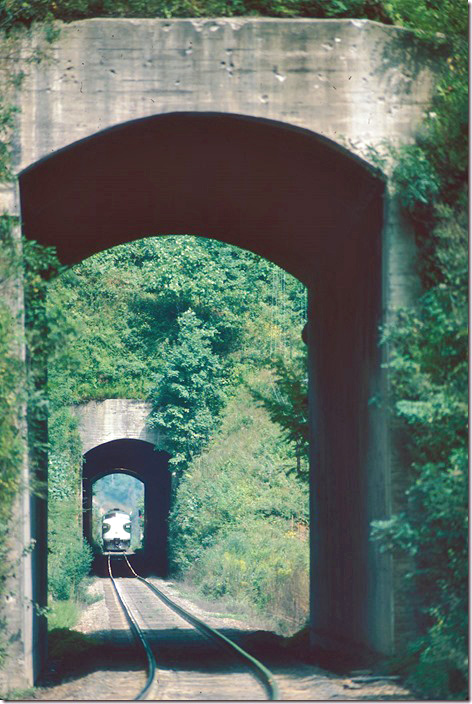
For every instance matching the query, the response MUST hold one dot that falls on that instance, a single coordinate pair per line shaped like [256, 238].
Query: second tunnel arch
[314, 209]
[141, 460]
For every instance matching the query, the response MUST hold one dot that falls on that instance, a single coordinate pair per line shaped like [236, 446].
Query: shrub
[70, 557]
[63, 614]
[239, 523]
[263, 565]
[29, 11]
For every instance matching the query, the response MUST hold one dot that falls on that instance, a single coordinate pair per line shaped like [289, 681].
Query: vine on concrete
[429, 367]
[14, 382]
[11, 381]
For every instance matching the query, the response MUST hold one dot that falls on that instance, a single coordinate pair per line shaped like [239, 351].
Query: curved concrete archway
[313, 208]
[357, 82]
[283, 192]
[140, 459]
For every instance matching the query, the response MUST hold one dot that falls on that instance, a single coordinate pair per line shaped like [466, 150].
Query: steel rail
[261, 672]
[151, 662]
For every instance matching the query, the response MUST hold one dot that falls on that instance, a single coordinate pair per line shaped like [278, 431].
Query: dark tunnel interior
[141, 460]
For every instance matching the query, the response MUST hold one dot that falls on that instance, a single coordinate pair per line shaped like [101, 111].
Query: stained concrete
[354, 82]
[116, 436]
[100, 422]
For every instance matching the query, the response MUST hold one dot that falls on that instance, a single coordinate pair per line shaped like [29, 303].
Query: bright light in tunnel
[119, 491]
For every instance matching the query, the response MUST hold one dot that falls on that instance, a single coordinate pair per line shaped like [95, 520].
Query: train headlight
[127, 527]
[105, 527]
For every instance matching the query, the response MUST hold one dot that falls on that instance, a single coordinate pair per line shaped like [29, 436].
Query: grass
[86, 598]
[63, 614]
[223, 607]
[19, 694]
[66, 613]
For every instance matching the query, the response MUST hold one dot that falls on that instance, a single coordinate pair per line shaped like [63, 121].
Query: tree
[189, 393]
[285, 398]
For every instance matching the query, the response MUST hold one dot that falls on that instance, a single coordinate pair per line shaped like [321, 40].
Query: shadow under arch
[141, 460]
[281, 191]
[315, 209]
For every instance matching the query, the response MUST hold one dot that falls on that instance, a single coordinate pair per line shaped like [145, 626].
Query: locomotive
[116, 530]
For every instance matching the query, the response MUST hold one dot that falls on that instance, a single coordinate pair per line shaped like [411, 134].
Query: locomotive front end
[116, 531]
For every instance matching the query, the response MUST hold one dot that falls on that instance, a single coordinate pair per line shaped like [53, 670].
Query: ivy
[428, 349]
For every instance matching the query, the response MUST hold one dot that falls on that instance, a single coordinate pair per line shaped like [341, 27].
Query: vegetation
[429, 365]
[59, 452]
[136, 321]
[13, 392]
[239, 522]
[11, 441]
[24, 13]
[121, 491]
[188, 323]
[63, 613]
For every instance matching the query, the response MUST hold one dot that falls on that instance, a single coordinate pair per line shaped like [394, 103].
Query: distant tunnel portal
[141, 460]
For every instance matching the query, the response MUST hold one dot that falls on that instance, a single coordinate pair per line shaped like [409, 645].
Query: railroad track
[194, 661]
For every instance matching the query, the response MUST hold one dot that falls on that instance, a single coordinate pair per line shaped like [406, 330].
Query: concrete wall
[356, 82]
[114, 419]
[22, 627]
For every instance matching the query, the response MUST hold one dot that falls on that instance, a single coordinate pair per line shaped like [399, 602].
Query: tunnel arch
[243, 180]
[315, 209]
[139, 459]
[122, 505]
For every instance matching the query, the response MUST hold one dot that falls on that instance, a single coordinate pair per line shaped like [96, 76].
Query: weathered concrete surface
[115, 436]
[356, 82]
[23, 629]
[114, 419]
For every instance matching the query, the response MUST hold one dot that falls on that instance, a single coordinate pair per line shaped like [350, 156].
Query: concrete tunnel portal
[315, 209]
[141, 460]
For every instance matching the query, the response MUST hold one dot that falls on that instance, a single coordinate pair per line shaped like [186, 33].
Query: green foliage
[428, 17]
[39, 263]
[429, 370]
[260, 565]
[7, 115]
[121, 310]
[11, 446]
[48, 336]
[188, 395]
[428, 348]
[239, 523]
[416, 178]
[70, 557]
[434, 170]
[183, 321]
[11, 382]
[26, 12]
[173, 319]
[13, 393]
[63, 614]
[286, 401]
